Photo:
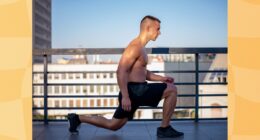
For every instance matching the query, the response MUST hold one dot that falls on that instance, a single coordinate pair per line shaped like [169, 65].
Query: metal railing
[93, 51]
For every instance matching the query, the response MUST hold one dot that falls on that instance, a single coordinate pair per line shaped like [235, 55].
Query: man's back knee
[115, 127]
[117, 124]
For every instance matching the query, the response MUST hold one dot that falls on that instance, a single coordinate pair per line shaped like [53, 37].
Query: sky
[114, 23]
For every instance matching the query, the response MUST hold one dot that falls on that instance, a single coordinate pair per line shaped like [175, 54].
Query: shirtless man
[134, 90]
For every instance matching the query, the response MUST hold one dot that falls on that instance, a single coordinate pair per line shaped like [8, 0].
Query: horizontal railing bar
[214, 83]
[115, 96]
[213, 118]
[82, 84]
[175, 119]
[98, 108]
[206, 107]
[73, 84]
[211, 71]
[159, 50]
[213, 95]
[177, 71]
[104, 108]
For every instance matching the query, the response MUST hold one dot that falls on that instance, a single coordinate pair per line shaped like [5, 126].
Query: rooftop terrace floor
[133, 130]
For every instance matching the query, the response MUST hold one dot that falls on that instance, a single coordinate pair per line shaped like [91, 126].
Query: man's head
[150, 26]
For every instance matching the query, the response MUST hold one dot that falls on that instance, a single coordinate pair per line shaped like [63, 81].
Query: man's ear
[148, 28]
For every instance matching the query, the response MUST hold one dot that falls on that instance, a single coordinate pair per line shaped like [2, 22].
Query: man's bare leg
[170, 95]
[170, 99]
[99, 121]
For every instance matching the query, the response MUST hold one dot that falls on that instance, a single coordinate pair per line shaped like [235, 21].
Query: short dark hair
[150, 17]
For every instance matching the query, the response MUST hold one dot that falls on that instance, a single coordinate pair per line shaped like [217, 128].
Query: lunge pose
[132, 77]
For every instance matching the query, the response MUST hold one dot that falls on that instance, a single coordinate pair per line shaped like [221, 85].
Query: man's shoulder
[133, 46]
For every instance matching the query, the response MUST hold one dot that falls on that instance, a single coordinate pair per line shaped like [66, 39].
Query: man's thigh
[153, 95]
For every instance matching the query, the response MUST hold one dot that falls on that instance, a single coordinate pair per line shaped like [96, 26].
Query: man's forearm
[153, 77]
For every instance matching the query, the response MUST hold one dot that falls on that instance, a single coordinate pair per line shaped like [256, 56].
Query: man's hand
[168, 80]
[126, 103]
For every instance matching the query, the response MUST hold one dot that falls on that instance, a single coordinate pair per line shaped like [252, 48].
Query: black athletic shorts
[140, 94]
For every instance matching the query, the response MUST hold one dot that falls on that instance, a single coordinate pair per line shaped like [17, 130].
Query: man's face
[155, 30]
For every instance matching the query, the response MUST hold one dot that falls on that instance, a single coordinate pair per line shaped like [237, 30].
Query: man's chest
[143, 58]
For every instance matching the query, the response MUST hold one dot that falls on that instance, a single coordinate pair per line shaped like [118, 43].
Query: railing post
[45, 86]
[197, 87]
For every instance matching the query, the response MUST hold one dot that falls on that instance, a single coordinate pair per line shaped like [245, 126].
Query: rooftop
[133, 130]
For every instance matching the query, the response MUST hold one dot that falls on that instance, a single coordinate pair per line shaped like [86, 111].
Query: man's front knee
[173, 89]
[170, 91]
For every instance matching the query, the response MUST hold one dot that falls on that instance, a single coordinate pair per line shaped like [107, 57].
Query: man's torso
[138, 70]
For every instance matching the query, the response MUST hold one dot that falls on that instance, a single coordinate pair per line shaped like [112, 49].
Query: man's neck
[143, 39]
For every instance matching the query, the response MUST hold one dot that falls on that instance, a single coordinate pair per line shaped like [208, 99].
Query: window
[84, 75]
[98, 102]
[78, 103]
[104, 75]
[50, 103]
[105, 102]
[91, 102]
[97, 75]
[63, 89]
[84, 89]
[57, 103]
[111, 102]
[77, 89]
[85, 103]
[91, 76]
[116, 101]
[71, 103]
[105, 89]
[117, 89]
[63, 76]
[56, 89]
[91, 88]
[219, 79]
[49, 89]
[64, 103]
[35, 78]
[34, 103]
[35, 90]
[70, 76]
[56, 76]
[111, 88]
[111, 75]
[49, 76]
[224, 79]
[98, 89]
[41, 103]
[70, 89]
[78, 76]
[41, 76]
[41, 89]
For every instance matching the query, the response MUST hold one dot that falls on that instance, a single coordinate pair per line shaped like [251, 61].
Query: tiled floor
[145, 130]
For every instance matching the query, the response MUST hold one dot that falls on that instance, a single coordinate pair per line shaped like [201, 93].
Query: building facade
[99, 78]
[41, 27]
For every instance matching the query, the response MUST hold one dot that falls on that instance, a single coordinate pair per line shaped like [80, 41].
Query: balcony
[193, 119]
